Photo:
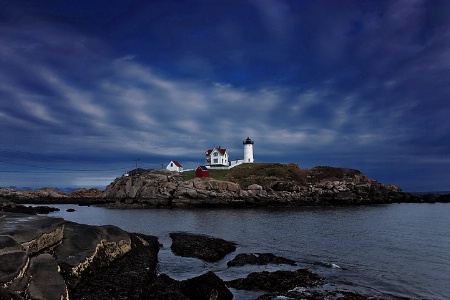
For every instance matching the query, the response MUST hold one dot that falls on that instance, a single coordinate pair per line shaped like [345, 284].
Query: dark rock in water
[70, 209]
[199, 246]
[205, 287]
[29, 210]
[259, 259]
[278, 281]
[315, 295]
[165, 287]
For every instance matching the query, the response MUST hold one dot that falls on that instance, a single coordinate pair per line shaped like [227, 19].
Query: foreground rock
[316, 295]
[278, 281]
[243, 259]
[203, 247]
[128, 277]
[36, 248]
[204, 287]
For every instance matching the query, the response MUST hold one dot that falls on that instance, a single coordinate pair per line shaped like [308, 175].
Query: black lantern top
[248, 141]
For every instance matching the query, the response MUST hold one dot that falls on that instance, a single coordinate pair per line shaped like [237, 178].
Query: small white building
[216, 157]
[174, 166]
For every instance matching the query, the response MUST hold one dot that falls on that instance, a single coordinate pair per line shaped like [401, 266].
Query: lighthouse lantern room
[248, 150]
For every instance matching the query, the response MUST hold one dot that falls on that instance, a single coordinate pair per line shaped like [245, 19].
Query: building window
[216, 160]
[215, 153]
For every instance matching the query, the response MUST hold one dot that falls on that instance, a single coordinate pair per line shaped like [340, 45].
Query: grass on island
[266, 174]
[259, 173]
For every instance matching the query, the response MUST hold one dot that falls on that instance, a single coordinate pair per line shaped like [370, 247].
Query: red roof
[177, 164]
[222, 151]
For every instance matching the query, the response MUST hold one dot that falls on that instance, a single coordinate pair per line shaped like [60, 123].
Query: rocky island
[247, 185]
[50, 258]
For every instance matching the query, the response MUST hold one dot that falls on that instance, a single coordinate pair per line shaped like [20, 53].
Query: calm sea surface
[397, 250]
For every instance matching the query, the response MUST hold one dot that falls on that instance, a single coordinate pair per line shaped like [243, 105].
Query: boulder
[254, 187]
[13, 264]
[259, 259]
[34, 233]
[316, 295]
[165, 287]
[42, 268]
[48, 258]
[85, 246]
[128, 277]
[206, 287]
[199, 246]
[277, 281]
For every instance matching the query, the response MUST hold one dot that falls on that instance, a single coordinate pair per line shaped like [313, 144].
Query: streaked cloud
[362, 85]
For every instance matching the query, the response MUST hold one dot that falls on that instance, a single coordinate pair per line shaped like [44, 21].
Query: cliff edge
[254, 185]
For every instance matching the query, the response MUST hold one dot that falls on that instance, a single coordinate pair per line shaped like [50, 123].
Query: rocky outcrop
[11, 193]
[199, 246]
[248, 185]
[10, 206]
[243, 259]
[36, 248]
[84, 246]
[48, 195]
[278, 281]
[316, 186]
[204, 287]
[127, 277]
[315, 295]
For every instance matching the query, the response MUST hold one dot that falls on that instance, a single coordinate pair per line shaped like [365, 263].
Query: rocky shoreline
[50, 258]
[271, 185]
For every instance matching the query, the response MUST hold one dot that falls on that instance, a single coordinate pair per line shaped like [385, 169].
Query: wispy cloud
[353, 84]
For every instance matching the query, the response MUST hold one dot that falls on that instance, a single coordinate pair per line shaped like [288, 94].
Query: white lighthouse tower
[248, 150]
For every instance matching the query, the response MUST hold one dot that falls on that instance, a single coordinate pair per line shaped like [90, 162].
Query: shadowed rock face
[84, 245]
[258, 259]
[315, 295]
[33, 248]
[127, 277]
[199, 246]
[33, 233]
[276, 281]
[207, 286]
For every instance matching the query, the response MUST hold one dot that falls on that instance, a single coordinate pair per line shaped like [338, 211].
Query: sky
[91, 89]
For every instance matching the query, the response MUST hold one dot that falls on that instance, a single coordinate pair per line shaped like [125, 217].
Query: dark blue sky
[87, 87]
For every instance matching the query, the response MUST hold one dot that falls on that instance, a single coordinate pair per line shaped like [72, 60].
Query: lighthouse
[248, 150]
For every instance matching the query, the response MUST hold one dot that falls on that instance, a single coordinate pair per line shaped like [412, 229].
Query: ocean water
[393, 251]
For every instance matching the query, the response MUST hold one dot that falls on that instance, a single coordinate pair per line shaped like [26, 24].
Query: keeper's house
[216, 157]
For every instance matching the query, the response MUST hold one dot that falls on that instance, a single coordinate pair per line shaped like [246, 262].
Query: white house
[174, 166]
[216, 157]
